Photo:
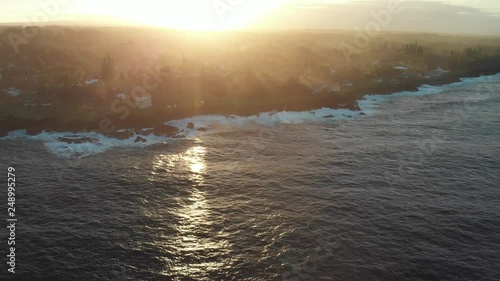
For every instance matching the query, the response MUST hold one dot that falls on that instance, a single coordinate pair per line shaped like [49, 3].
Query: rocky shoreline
[132, 126]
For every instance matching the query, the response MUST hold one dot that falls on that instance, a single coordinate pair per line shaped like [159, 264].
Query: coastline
[156, 122]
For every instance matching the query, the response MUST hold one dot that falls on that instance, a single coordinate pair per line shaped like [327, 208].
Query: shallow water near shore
[53, 143]
[408, 191]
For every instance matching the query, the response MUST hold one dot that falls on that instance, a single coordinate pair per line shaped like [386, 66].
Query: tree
[107, 69]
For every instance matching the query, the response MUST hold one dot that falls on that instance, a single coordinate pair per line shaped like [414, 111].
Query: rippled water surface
[410, 192]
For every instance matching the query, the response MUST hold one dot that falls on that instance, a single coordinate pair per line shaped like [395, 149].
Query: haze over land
[250, 139]
[462, 16]
[305, 55]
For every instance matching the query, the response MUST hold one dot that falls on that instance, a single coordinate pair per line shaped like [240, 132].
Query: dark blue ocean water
[409, 192]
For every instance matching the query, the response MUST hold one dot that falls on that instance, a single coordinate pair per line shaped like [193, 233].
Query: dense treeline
[81, 70]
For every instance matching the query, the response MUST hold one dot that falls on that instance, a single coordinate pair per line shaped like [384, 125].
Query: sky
[442, 16]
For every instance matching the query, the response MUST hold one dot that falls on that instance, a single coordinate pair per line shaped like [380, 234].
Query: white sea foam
[368, 106]
[80, 150]
[266, 119]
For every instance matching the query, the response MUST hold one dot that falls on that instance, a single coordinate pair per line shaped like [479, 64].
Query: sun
[199, 15]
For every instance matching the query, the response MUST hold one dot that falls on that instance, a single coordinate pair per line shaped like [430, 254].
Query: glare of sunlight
[193, 239]
[190, 162]
[200, 15]
[195, 158]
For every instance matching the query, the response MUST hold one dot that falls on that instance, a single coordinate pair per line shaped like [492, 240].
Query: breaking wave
[69, 145]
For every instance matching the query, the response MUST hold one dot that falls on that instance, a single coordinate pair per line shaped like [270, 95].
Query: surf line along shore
[156, 120]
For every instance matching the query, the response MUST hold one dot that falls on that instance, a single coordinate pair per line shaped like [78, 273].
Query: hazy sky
[452, 16]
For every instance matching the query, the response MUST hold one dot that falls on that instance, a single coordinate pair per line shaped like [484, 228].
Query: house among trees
[91, 81]
[14, 92]
[143, 102]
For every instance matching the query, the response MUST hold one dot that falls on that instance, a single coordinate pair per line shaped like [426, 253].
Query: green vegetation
[70, 77]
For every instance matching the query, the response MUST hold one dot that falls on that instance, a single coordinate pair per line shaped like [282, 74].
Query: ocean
[408, 191]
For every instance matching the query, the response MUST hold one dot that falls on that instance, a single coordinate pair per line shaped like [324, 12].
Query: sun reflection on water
[191, 161]
[195, 242]
[195, 158]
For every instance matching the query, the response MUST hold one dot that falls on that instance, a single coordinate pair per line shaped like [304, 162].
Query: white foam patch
[426, 90]
[370, 102]
[210, 122]
[266, 119]
[368, 106]
[79, 150]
